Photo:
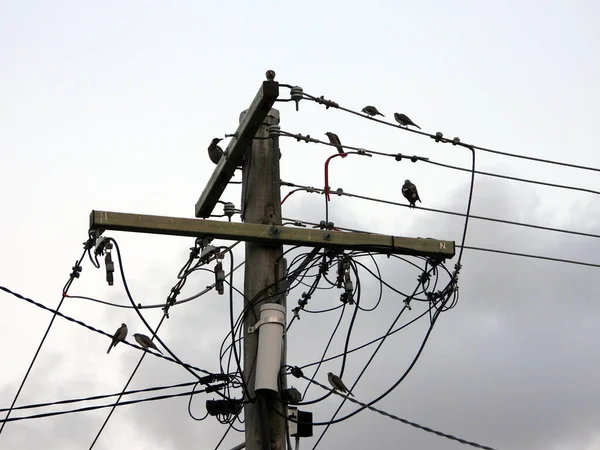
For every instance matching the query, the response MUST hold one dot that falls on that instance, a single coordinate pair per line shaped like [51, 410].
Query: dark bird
[337, 383]
[119, 336]
[371, 111]
[409, 191]
[270, 75]
[403, 120]
[214, 151]
[335, 140]
[145, 342]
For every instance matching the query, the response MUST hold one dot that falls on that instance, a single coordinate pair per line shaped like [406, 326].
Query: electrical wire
[303, 402]
[189, 408]
[360, 347]
[224, 435]
[438, 137]
[527, 255]
[414, 158]
[89, 327]
[175, 290]
[124, 388]
[98, 397]
[490, 250]
[129, 296]
[361, 373]
[522, 180]
[451, 286]
[453, 213]
[160, 305]
[74, 274]
[91, 408]
[404, 421]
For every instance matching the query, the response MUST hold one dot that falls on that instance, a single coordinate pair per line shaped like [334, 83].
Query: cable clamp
[265, 320]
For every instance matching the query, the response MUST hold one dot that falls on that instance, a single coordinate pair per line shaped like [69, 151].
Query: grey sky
[112, 105]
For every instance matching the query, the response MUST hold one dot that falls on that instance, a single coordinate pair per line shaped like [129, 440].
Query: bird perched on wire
[335, 140]
[214, 151]
[371, 111]
[337, 383]
[403, 120]
[409, 190]
[145, 342]
[119, 336]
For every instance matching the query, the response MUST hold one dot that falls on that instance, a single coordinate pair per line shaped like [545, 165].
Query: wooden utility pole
[263, 269]
[265, 237]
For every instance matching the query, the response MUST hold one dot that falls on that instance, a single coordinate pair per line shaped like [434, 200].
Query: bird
[403, 120]
[145, 342]
[371, 111]
[214, 151]
[335, 140]
[337, 383]
[270, 75]
[119, 336]
[409, 190]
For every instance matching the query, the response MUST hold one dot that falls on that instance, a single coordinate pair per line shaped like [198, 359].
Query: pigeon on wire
[145, 342]
[335, 140]
[214, 151]
[404, 120]
[409, 190]
[337, 383]
[119, 336]
[371, 111]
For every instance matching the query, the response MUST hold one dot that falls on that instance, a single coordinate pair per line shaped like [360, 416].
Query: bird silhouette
[409, 190]
[335, 140]
[145, 342]
[371, 111]
[337, 383]
[403, 120]
[119, 336]
[214, 151]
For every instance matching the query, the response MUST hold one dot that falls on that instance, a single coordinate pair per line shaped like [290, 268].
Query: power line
[404, 421]
[99, 397]
[482, 249]
[124, 388]
[438, 137]
[341, 192]
[414, 158]
[111, 405]
[170, 301]
[522, 180]
[74, 274]
[526, 255]
[89, 327]
[130, 297]
[160, 305]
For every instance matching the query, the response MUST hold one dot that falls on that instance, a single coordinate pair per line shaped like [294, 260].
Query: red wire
[343, 155]
[290, 193]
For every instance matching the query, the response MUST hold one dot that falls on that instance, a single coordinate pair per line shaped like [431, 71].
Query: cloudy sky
[111, 106]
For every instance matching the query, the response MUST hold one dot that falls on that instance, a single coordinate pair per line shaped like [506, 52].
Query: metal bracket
[265, 320]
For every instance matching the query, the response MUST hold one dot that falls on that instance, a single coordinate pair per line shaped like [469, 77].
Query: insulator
[296, 94]
[274, 131]
[229, 209]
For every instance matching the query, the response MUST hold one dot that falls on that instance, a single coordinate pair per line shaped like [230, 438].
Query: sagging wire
[75, 273]
[360, 150]
[406, 422]
[142, 318]
[438, 137]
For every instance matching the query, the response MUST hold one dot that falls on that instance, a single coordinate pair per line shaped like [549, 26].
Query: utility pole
[262, 204]
[258, 150]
